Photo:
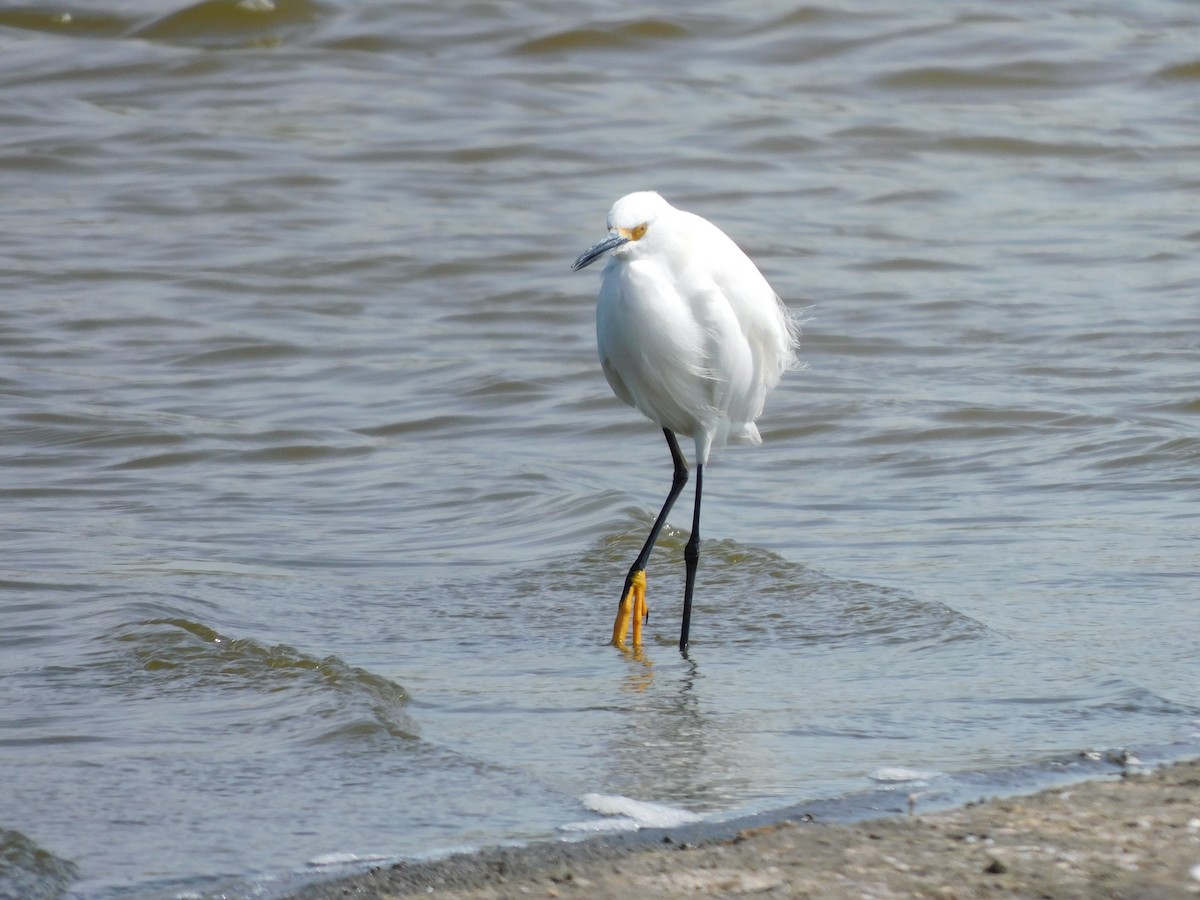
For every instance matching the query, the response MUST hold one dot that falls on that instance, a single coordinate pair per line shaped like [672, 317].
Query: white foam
[343, 859]
[641, 813]
[901, 775]
[601, 826]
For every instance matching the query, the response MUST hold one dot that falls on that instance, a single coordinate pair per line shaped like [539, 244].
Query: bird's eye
[635, 234]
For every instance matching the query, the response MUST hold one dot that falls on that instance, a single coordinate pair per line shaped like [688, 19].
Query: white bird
[691, 334]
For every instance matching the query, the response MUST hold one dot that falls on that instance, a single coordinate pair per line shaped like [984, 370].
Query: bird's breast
[653, 349]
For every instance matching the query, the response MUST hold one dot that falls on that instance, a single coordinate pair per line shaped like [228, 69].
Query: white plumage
[688, 329]
[690, 333]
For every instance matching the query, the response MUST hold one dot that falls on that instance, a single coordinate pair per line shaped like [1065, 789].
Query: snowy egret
[690, 334]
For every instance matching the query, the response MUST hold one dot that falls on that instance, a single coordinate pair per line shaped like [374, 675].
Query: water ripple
[316, 500]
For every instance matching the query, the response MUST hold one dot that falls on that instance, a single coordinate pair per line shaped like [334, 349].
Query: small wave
[630, 34]
[1188, 71]
[30, 871]
[1006, 145]
[1028, 76]
[913, 264]
[232, 23]
[59, 21]
[321, 699]
[252, 353]
[209, 23]
[640, 813]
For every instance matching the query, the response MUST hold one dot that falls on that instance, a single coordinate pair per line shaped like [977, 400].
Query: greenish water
[315, 503]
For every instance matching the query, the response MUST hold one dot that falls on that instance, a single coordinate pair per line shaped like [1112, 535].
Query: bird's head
[629, 221]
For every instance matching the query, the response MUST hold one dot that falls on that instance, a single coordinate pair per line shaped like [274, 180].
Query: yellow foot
[632, 609]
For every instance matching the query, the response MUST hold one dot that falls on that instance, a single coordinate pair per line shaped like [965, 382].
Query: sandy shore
[1134, 836]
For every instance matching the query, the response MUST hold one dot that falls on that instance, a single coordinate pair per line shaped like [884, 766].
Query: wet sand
[1132, 836]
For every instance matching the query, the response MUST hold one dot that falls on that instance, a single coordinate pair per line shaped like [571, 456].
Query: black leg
[691, 556]
[677, 482]
[632, 609]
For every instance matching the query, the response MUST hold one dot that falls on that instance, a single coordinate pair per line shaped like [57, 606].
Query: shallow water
[316, 504]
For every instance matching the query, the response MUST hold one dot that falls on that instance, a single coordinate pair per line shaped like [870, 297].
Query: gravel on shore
[1133, 836]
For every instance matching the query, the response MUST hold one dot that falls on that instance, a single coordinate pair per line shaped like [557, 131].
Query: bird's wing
[768, 334]
[749, 341]
[652, 349]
